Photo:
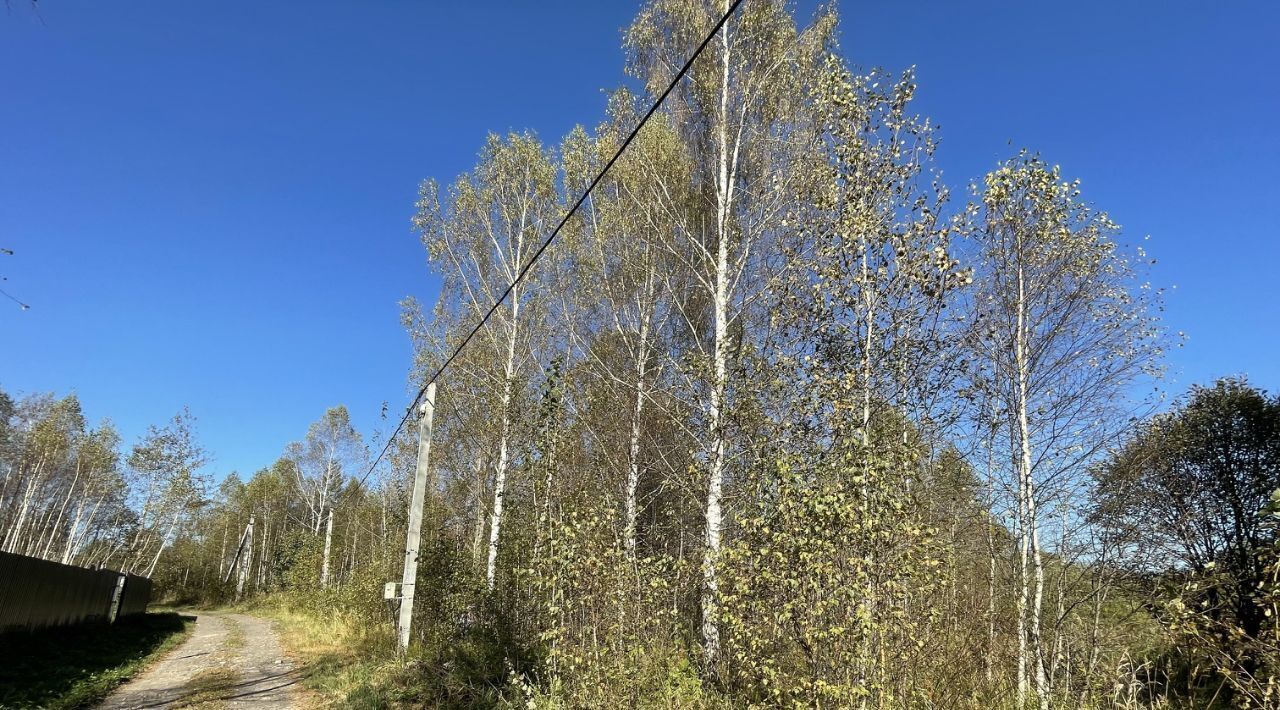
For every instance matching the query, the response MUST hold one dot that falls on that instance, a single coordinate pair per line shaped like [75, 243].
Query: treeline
[779, 420]
[315, 531]
[68, 494]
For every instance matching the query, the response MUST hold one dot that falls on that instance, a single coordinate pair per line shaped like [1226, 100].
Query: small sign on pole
[389, 590]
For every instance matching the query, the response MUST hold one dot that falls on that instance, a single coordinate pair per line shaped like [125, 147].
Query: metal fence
[37, 593]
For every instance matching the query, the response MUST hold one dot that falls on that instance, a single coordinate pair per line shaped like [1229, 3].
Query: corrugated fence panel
[38, 593]
[136, 595]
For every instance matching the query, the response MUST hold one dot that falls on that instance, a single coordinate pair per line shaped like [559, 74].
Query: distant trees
[166, 467]
[315, 530]
[1194, 493]
[65, 495]
[319, 464]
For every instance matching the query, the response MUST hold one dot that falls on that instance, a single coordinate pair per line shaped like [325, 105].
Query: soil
[230, 661]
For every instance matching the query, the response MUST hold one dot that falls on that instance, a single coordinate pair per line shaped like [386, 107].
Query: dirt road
[230, 661]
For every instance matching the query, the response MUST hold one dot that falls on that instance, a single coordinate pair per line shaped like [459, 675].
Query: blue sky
[209, 201]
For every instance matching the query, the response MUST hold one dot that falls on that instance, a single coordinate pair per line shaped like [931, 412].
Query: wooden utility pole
[414, 537]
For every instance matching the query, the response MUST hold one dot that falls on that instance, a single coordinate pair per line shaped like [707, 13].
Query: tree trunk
[11, 540]
[991, 547]
[1024, 585]
[164, 541]
[62, 509]
[991, 598]
[74, 543]
[500, 473]
[245, 561]
[71, 534]
[1059, 617]
[633, 449]
[715, 474]
[1031, 536]
[477, 531]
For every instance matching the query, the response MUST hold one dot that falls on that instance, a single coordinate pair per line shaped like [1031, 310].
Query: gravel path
[230, 661]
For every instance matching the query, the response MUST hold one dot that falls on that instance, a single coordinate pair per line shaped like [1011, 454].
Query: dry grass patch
[337, 656]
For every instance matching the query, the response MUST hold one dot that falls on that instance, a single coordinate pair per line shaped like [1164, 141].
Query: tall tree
[1064, 326]
[167, 462]
[626, 219]
[482, 235]
[1194, 484]
[322, 461]
[741, 118]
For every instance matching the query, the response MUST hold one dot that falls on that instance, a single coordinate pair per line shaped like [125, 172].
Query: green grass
[77, 667]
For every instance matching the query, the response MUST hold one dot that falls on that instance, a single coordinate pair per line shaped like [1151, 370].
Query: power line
[550, 238]
[9, 252]
[15, 300]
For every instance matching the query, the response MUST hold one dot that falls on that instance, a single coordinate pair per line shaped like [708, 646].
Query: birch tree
[1066, 325]
[740, 118]
[47, 433]
[167, 464]
[331, 450]
[487, 228]
[627, 219]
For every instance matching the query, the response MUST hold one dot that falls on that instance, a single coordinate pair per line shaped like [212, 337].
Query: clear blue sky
[209, 201]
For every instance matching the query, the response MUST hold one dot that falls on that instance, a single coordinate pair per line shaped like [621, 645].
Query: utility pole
[247, 560]
[414, 537]
[328, 542]
[239, 549]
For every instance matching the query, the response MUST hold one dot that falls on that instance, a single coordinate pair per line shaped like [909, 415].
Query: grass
[346, 666]
[76, 667]
[235, 636]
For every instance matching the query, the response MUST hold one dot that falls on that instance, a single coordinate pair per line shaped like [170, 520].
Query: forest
[780, 419]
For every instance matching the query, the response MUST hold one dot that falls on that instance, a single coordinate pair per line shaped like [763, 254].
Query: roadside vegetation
[77, 667]
[782, 419]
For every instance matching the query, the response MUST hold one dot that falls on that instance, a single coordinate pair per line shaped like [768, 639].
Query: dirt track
[231, 661]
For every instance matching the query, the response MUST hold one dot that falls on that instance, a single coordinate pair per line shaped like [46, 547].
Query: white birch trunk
[71, 534]
[1059, 618]
[11, 540]
[715, 474]
[246, 561]
[222, 556]
[500, 473]
[74, 546]
[262, 556]
[633, 449]
[62, 509]
[1030, 536]
[164, 542]
[1024, 585]
[477, 532]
